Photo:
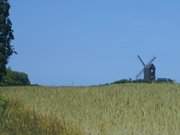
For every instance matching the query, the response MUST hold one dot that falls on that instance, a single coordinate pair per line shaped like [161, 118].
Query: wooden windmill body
[149, 70]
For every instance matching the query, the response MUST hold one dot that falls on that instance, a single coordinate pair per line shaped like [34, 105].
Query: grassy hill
[127, 109]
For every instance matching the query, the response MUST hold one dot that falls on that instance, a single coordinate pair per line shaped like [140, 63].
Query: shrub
[15, 78]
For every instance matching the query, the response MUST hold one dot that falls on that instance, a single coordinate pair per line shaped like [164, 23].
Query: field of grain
[128, 109]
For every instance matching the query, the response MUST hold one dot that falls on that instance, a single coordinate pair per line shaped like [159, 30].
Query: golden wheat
[129, 109]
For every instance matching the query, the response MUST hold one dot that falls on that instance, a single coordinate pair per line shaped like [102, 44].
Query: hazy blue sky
[64, 42]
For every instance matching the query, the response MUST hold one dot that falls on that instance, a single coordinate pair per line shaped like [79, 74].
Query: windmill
[149, 70]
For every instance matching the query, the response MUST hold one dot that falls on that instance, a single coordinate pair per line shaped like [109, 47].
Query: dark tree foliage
[6, 35]
[13, 78]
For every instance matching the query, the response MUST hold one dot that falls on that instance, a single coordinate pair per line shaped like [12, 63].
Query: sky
[88, 42]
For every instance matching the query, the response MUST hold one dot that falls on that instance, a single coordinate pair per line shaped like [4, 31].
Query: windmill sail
[151, 61]
[141, 60]
[139, 74]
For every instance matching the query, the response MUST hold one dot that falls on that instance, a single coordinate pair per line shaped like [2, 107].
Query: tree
[6, 36]
[15, 78]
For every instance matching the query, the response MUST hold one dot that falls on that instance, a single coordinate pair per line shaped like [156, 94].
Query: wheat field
[127, 109]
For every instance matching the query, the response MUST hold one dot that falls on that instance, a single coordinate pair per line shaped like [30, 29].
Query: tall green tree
[6, 36]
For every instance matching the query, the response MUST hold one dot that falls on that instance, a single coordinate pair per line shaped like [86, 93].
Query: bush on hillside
[15, 78]
[159, 80]
[122, 81]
